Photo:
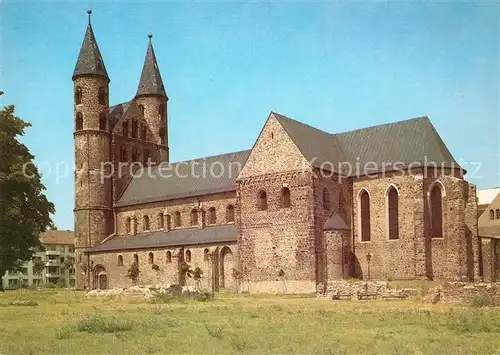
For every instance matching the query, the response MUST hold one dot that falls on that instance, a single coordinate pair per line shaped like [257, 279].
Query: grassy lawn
[60, 321]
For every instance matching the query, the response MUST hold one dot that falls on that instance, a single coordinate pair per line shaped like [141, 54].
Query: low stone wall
[146, 292]
[361, 290]
[452, 292]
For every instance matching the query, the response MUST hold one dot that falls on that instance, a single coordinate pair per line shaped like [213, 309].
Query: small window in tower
[168, 257]
[285, 197]
[141, 107]
[151, 258]
[188, 256]
[162, 135]
[78, 95]
[161, 111]
[102, 96]
[136, 259]
[125, 128]
[194, 217]
[262, 201]
[134, 129]
[230, 213]
[143, 131]
[169, 222]
[79, 121]
[120, 260]
[123, 154]
[326, 199]
[102, 121]
[135, 154]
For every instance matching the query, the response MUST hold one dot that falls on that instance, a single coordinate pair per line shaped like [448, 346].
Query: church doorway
[100, 278]
[226, 267]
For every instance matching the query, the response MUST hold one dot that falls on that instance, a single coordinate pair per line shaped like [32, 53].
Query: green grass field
[60, 321]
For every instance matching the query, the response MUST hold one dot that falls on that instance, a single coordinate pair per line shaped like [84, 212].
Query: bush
[215, 332]
[133, 272]
[484, 300]
[98, 324]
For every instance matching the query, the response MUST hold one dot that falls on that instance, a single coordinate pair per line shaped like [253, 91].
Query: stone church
[299, 208]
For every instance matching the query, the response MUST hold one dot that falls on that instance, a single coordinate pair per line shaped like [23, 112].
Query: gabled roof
[335, 222]
[150, 82]
[90, 61]
[404, 142]
[485, 197]
[175, 237]
[58, 237]
[168, 181]
[488, 227]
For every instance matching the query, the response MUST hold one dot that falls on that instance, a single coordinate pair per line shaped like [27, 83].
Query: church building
[299, 208]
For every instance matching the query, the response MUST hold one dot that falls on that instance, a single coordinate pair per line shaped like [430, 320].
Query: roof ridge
[423, 118]
[210, 156]
[300, 122]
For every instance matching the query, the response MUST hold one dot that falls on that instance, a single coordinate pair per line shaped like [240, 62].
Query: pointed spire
[150, 83]
[89, 60]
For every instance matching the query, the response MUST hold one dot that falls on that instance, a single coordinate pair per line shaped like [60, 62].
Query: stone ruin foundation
[361, 290]
[455, 292]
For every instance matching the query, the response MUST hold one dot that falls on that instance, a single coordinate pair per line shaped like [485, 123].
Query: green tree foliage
[133, 272]
[38, 266]
[24, 209]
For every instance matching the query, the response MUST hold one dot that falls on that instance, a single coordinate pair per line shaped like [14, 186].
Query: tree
[24, 209]
[197, 274]
[38, 266]
[133, 272]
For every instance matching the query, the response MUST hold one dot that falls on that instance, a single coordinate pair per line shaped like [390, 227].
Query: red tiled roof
[57, 237]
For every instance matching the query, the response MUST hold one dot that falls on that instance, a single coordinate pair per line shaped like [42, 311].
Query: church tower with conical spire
[93, 204]
[152, 100]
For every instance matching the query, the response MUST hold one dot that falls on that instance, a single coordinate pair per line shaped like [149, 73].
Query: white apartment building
[58, 256]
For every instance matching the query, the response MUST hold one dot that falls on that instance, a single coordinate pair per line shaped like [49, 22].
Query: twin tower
[109, 140]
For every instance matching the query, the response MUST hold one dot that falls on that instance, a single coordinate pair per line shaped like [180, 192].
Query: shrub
[215, 332]
[133, 272]
[483, 300]
[239, 343]
[98, 324]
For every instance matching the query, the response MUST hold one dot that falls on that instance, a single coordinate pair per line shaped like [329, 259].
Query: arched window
[125, 128]
[285, 197]
[136, 259]
[161, 111]
[168, 257]
[79, 121]
[364, 204]
[326, 199]
[342, 203]
[151, 258]
[162, 135]
[145, 223]
[393, 211]
[141, 108]
[498, 213]
[161, 221]
[134, 225]
[128, 225]
[102, 121]
[143, 131]
[78, 95]
[262, 201]
[212, 216]
[123, 153]
[436, 212]
[120, 260]
[169, 222]
[230, 213]
[135, 154]
[102, 96]
[194, 217]
[134, 129]
[177, 219]
[492, 214]
[188, 256]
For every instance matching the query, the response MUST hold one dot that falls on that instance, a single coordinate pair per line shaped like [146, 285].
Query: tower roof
[90, 60]
[150, 83]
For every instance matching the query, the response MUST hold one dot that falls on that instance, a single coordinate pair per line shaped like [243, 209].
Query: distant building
[59, 248]
[489, 232]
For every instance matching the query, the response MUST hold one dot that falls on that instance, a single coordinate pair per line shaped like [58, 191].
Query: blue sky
[336, 66]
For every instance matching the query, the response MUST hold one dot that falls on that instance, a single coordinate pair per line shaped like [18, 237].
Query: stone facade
[281, 201]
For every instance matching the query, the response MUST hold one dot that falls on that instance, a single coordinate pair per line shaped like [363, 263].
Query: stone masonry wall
[224, 255]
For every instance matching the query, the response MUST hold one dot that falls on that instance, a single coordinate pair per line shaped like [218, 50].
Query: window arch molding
[364, 215]
[392, 214]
